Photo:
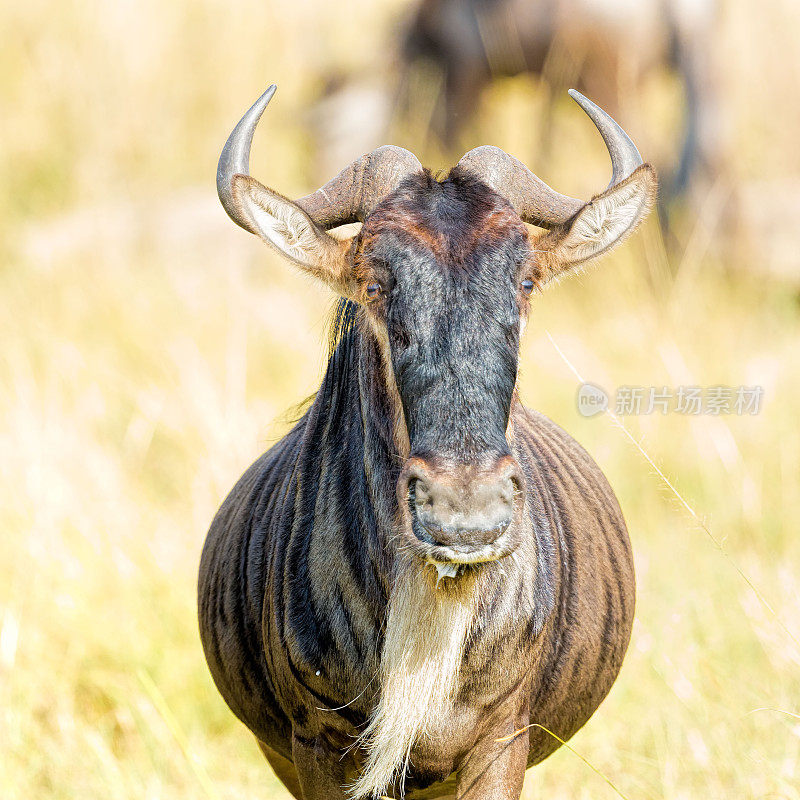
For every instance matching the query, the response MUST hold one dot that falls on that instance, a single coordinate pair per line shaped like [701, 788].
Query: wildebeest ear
[601, 224]
[288, 229]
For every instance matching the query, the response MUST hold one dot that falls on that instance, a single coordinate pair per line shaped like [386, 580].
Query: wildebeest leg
[495, 769]
[283, 768]
[318, 769]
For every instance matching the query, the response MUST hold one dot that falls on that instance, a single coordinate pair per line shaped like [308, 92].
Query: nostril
[514, 482]
[419, 492]
[506, 491]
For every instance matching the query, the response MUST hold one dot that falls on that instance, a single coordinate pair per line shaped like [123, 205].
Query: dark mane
[341, 323]
[341, 334]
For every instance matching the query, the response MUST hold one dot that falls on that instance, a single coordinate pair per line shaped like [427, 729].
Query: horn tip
[267, 95]
[581, 99]
[263, 101]
[261, 104]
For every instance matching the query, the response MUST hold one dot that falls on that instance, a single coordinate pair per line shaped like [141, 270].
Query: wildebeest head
[443, 269]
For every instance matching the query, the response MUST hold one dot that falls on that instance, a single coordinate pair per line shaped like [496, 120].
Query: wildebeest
[422, 569]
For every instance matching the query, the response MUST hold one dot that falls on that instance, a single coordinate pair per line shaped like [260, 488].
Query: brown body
[550, 663]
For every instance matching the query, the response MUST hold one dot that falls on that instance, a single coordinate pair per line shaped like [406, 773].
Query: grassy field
[150, 350]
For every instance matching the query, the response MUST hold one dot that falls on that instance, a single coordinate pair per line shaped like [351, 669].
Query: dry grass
[149, 348]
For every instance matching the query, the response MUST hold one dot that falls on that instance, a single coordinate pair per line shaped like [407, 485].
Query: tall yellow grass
[149, 349]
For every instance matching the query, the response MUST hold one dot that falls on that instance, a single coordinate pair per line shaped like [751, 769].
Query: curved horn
[358, 188]
[349, 197]
[235, 157]
[625, 157]
[533, 199]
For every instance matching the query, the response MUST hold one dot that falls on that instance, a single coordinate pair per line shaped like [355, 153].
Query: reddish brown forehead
[451, 219]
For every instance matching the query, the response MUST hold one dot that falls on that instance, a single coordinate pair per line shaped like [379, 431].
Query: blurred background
[150, 350]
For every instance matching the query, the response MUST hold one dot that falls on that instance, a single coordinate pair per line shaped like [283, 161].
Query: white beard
[425, 634]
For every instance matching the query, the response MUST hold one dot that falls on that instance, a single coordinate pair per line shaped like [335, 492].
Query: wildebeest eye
[527, 287]
[373, 290]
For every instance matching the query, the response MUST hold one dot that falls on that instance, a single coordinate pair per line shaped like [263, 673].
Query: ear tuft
[604, 222]
[288, 229]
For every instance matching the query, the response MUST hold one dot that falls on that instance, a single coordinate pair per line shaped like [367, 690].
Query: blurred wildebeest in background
[606, 48]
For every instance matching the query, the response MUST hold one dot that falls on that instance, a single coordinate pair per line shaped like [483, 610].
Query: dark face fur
[445, 268]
